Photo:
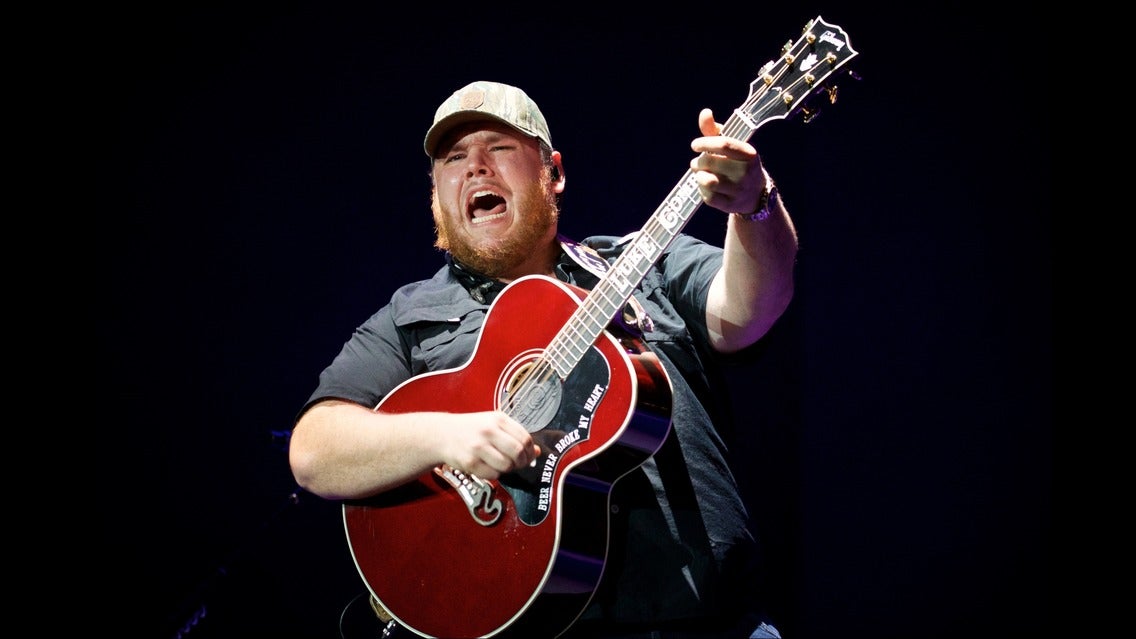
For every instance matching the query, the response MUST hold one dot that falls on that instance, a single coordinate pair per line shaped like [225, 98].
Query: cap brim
[445, 125]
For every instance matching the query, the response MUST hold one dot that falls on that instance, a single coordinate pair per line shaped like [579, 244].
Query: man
[679, 543]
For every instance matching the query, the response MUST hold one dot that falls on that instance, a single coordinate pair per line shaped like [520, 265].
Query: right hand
[488, 444]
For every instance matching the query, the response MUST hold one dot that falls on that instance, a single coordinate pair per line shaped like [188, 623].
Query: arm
[341, 450]
[755, 284]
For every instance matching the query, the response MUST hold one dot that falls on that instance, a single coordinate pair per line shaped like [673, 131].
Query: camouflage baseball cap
[487, 101]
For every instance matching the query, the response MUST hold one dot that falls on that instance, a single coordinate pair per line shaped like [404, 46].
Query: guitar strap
[585, 256]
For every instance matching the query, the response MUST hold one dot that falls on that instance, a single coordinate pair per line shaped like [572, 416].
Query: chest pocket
[439, 345]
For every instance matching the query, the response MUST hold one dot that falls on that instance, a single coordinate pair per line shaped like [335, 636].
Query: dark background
[269, 192]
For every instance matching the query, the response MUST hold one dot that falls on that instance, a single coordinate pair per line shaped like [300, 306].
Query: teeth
[487, 218]
[482, 193]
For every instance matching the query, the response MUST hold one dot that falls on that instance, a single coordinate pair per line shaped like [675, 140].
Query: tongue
[500, 208]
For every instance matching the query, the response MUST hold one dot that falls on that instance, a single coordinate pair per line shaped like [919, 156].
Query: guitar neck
[786, 86]
[613, 291]
[608, 297]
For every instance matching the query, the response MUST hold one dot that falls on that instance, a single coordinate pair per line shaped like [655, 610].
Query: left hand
[728, 171]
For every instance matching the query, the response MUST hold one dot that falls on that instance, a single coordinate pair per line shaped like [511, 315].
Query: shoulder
[686, 247]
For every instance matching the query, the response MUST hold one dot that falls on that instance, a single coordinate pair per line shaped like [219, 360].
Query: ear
[558, 179]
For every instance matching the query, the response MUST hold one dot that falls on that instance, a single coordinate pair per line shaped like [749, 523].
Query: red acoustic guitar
[451, 555]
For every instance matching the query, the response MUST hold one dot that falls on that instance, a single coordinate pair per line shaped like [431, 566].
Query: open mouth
[486, 206]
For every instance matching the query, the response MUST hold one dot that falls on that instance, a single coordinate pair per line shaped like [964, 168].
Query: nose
[477, 162]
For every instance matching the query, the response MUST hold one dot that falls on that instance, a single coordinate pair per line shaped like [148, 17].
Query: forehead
[482, 131]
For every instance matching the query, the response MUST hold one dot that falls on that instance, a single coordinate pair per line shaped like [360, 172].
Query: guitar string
[543, 370]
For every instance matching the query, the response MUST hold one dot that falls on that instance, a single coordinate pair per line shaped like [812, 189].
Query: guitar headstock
[802, 79]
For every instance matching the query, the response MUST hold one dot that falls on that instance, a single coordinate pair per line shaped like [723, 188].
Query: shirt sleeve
[371, 363]
[688, 267]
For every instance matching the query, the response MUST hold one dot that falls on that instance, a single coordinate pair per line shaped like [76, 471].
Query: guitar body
[452, 556]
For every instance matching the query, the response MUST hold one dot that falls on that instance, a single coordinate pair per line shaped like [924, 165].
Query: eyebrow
[490, 138]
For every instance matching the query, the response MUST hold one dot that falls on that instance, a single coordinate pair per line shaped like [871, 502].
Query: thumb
[706, 123]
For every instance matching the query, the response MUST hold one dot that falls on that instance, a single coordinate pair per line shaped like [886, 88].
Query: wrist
[769, 195]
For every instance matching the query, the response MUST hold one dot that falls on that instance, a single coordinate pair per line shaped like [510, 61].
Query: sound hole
[532, 396]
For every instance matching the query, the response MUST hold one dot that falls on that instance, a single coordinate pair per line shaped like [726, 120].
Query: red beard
[535, 208]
